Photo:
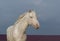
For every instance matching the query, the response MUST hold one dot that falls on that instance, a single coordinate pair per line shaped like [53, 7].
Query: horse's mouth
[36, 27]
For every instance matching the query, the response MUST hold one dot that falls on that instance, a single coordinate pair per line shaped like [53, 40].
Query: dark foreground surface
[37, 38]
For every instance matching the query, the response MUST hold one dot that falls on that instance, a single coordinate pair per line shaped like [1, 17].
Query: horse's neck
[21, 26]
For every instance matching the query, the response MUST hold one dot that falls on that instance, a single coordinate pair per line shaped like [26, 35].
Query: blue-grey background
[48, 12]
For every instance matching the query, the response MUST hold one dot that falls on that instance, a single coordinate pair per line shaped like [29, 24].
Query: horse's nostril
[37, 28]
[37, 25]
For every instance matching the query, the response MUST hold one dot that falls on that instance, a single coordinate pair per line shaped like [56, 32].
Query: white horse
[16, 32]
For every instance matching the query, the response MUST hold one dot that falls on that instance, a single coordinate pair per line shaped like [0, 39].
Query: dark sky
[48, 12]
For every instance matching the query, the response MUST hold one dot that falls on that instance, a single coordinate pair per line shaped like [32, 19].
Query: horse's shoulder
[9, 28]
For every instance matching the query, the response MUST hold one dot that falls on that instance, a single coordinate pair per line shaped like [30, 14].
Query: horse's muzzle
[37, 26]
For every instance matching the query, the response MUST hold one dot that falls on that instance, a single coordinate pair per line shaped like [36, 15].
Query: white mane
[19, 18]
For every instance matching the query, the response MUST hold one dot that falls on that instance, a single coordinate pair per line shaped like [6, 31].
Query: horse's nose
[37, 26]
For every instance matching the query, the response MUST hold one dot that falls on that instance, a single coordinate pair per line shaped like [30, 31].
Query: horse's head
[32, 19]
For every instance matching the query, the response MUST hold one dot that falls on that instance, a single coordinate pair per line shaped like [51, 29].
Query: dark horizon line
[37, 34]
[35, 37]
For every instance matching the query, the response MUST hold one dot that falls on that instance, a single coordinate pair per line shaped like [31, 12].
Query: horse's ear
[30, 11]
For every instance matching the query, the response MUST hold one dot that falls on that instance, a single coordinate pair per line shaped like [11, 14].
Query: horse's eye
[31, 17]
